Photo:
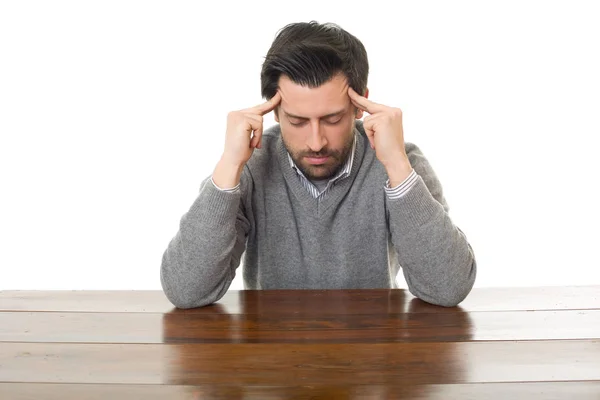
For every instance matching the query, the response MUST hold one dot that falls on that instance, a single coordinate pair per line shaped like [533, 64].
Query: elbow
[450, 292]
[187, 303]
[452, 297]
[459, 288]
[187, 296]
[185, 292]
[459, 284]
[445, 297]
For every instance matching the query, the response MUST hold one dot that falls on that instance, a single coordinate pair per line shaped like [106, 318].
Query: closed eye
[328, 122]
[298, 124]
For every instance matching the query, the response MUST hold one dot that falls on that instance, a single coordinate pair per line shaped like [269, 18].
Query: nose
[316, 140]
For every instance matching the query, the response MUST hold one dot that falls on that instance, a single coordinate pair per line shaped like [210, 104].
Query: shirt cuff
[401, 189]
[232, 190]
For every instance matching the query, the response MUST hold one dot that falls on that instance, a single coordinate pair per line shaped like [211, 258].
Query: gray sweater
[355, 237]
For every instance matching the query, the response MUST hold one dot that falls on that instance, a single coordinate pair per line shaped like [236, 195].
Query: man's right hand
[244, 134]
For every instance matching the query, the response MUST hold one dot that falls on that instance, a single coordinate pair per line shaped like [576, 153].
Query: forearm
[227, 174]
[199, 263]
[399, 170]
[438, 262]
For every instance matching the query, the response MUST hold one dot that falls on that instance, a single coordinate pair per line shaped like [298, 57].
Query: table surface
[533, 343]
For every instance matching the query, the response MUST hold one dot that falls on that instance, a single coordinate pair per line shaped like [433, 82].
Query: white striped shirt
[393, 193]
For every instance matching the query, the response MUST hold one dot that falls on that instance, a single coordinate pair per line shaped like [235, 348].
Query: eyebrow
[333, 114]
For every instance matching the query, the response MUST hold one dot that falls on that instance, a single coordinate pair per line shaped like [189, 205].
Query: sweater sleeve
[199, 263]
[437, 261]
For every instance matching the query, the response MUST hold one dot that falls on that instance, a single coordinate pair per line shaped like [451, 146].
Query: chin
[312, 172]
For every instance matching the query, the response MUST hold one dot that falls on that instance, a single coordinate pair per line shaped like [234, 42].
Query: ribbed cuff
[416, 207]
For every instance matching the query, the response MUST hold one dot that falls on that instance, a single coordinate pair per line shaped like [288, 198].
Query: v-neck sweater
[356, 237]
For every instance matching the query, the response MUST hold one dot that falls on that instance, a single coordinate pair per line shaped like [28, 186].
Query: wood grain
[307, 302]
[307, 364]
[492, 391]
[517, 343]
[216, 326]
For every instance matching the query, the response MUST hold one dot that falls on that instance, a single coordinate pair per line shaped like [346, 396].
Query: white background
[112, 113]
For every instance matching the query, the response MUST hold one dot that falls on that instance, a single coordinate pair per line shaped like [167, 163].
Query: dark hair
[310, 54]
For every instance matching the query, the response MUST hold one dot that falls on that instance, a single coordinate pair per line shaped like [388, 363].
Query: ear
[359, 112]
[276, 113]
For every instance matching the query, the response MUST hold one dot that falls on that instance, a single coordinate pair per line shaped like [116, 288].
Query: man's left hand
[384, 129]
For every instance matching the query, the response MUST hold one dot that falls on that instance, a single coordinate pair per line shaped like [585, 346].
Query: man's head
[312, 65]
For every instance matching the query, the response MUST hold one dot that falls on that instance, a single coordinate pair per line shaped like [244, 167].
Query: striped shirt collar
[345, 172]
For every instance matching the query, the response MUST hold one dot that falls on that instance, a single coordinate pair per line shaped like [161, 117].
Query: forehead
[328, 98]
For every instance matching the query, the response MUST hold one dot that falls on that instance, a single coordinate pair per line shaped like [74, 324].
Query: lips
[317, 160]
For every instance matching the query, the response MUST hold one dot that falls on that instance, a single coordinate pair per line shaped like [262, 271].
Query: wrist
[398, 171]
[227, 174]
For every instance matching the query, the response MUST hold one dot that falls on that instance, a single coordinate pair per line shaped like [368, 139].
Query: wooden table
[541, 343]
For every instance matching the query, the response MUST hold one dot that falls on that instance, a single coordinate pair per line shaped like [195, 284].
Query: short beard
[328, 171]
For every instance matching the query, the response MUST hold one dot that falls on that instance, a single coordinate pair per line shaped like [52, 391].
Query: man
[322, 200]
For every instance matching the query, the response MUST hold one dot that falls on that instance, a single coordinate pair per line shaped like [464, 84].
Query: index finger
[268, 106]
[363, 103]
